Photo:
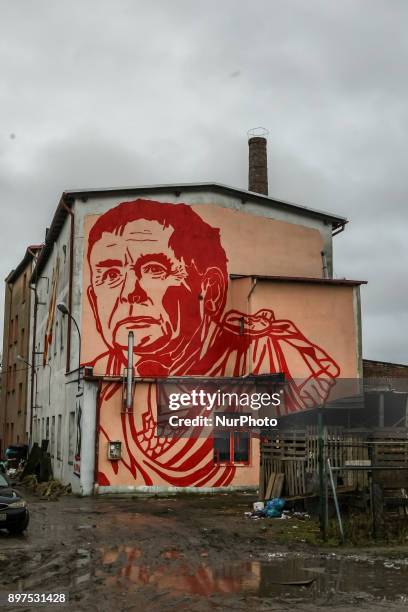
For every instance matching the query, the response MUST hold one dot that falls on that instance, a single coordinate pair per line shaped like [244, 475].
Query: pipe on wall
[10, 288]
[69, 210]
[33, 365]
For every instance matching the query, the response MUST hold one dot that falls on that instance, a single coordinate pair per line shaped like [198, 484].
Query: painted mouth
[137, 322]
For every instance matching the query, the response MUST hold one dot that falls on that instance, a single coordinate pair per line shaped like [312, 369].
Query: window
[24, 286]
[20, 397]
[59, 432]
[71, 448]
[231, 447]
[62, 335]
[11, 332]
[55, 338]
[16, 330]
[22, 342]
[42, 429]
[52, 443]
[241, 447]
[47, 429]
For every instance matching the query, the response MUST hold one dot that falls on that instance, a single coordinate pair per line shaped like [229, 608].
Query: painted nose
[138, 295]
[132, 291]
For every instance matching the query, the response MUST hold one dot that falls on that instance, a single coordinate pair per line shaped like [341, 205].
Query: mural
[160, 271]
[48, 338]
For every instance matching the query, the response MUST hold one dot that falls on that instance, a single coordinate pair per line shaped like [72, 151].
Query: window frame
[232, 448]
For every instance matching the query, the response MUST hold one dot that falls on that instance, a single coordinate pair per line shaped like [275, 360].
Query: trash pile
[274, 508]
[12, 468]
[51, 490]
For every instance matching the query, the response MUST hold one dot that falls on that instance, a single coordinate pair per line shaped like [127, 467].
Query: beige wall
[300, 329]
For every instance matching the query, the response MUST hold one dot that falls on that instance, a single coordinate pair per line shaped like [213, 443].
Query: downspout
[325, 269]
[254, 283]
[33, 365]
[70, 281]
[97, 422]
[10, 288]
[33, 353]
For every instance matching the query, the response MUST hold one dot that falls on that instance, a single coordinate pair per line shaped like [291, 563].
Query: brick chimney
[258, 161]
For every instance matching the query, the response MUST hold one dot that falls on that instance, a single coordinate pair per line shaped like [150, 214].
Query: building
[213, 281]
[17, 374]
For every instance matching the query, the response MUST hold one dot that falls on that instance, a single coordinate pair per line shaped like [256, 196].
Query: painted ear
[213, 291]
[92, 300]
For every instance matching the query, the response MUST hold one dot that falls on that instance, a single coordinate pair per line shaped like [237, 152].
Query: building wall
[55, 394]
[384, 369]
[240, 336]
[15, 373]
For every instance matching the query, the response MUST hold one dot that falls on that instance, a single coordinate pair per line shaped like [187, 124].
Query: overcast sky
[100, 93]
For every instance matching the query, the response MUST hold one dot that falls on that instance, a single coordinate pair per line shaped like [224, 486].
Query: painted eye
[111, 274]
[154, 268]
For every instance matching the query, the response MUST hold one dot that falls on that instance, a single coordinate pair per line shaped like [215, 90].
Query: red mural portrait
[160, 270]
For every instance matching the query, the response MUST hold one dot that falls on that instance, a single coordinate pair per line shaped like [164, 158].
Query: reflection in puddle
[172, 553]
[281, 575]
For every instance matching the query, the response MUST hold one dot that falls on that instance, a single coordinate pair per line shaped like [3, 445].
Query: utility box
[114, 450]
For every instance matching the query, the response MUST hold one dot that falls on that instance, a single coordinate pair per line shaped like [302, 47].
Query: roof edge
[30, 254]
[301, 279]
[215, 186]
[68, 197]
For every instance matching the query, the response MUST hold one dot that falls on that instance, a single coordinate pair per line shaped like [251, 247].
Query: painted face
[141, 286]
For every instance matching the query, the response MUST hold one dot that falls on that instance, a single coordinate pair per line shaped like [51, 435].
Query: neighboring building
[213, 281]
[16, 374]
[386, 393]
[384, 370]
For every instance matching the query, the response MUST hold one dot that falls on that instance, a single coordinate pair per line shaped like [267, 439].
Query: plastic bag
[274, 507]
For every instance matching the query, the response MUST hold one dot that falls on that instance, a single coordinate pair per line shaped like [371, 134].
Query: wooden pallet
[275, 485]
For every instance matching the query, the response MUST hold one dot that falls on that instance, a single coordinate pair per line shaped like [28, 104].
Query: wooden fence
[295, 454]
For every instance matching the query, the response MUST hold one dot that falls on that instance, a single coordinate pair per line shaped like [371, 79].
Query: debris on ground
[51, 490]
[272, 508]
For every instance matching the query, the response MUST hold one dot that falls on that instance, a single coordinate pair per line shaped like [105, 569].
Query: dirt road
[192, 553]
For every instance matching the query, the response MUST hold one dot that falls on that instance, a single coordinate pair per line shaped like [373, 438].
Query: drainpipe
[33, 357]
[70, 282]
[97, 422]
[324, 265]
[254, 283]
[129, 374]
[10, 288]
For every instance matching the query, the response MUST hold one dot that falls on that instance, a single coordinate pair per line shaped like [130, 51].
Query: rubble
[51, 490]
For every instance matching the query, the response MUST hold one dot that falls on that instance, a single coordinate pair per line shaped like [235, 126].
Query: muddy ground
[192, 553]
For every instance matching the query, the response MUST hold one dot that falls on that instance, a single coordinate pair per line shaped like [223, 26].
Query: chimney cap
[257, 132]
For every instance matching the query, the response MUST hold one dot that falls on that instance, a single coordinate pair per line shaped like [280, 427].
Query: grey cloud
[128, 92]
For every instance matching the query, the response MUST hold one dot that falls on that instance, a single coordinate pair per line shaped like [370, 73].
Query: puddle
[281, 575]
